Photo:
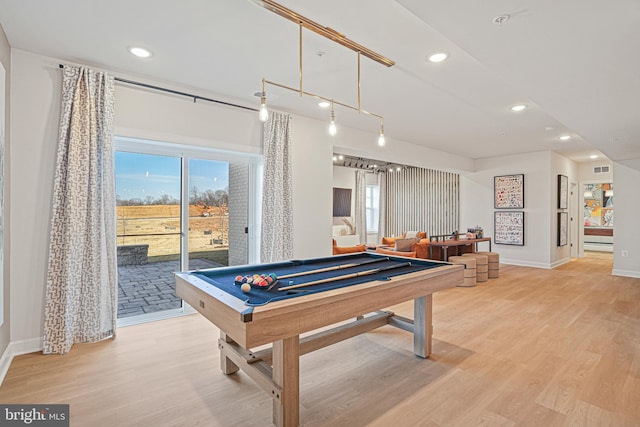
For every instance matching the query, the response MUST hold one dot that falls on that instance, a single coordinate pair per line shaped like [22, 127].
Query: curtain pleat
[419, 199]
[382, 205]
[81, 290]
[360, 205]
[277, 198]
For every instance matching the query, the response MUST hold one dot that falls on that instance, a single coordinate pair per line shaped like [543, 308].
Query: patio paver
[151, 287]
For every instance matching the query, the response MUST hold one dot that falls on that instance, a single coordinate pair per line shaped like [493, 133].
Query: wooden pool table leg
[226, 365]
[423, 325]
[286, 374]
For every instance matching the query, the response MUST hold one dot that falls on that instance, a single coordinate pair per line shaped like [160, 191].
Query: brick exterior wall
[238, 213]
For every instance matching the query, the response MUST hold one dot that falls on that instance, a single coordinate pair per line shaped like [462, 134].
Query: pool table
[311, 294]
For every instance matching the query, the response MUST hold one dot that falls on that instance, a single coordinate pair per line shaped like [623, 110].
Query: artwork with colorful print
[508, 191]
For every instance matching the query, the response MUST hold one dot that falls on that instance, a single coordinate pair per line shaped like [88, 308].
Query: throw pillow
[411, 234]
[339, 250]
[405, 245]
[388, 241]
[396, 253]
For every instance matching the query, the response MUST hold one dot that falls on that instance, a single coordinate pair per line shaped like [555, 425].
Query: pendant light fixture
[332, 123]
[263, 115]
[334, 36]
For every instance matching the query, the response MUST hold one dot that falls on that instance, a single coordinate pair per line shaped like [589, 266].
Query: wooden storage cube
[482, 277]
[493, 259]
[469, 271]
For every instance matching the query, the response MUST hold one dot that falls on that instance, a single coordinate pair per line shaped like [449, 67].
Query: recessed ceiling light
[139, 52]
[324, 104]
[565, 137]
[519, 107]
[438, 57]
[501, 19]
[593, 156]
[340, 157]
[548, 128]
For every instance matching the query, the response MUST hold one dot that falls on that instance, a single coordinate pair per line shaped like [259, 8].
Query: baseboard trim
[17, 348]
[560, 262]
[598, 247]
[626, 273]
[525, 263]
[5, 362]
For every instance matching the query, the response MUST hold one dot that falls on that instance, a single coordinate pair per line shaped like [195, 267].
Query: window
[372, 207]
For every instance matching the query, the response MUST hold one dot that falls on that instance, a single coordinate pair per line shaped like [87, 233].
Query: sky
[142, 175]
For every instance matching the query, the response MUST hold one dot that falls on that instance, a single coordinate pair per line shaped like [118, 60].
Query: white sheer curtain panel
[277, 198]
[81, 292]
[361, 206]
[382, 206]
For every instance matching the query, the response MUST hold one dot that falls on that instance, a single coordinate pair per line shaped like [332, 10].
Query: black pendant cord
[176, 92]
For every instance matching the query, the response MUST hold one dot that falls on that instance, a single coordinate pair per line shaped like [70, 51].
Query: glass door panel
[217, 213]
[148, 232]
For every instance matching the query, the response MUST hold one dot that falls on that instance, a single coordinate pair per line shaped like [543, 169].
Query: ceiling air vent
[601, 169]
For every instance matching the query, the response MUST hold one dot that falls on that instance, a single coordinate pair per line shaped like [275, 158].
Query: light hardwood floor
[535, 347]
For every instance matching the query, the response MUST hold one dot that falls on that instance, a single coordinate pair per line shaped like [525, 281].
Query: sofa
[340, 250]
[416, 242]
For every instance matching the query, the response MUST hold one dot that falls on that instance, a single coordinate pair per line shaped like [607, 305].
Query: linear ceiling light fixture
[332, 35]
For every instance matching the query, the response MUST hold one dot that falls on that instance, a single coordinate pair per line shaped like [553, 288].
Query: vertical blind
[422, 200]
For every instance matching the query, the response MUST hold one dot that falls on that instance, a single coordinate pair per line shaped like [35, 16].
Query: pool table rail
[254, 326]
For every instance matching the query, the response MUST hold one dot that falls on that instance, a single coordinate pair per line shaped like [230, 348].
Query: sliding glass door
[178, 208]
[148, 230]
[218, 213]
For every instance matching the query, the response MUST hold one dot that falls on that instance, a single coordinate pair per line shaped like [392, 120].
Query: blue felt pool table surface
[384, 268]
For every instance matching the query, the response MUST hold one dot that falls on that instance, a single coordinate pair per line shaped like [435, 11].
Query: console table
[442, 249]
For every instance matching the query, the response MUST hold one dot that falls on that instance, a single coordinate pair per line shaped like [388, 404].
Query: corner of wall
[5, 310]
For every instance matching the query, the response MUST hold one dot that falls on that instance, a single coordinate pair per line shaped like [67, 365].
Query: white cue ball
[245, 287]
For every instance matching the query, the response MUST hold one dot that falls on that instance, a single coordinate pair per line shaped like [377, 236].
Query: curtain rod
[176, 92]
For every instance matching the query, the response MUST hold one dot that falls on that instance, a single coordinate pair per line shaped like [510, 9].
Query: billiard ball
[245, 287]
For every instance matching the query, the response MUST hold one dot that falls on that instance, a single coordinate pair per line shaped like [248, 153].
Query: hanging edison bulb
[263, 115]
[332, 124]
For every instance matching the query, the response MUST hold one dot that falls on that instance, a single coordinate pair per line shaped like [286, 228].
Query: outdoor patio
[151, 287]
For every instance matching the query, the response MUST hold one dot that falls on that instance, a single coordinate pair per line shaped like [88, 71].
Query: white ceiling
[575, 63]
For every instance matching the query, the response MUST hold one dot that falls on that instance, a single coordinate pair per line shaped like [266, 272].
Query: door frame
[184, 153]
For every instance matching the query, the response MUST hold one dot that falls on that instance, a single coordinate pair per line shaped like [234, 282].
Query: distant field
[206, 233]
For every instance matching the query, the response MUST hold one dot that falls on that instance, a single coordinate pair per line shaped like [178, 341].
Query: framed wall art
[509, 228]
[508, 191]
[563, 228]
[563, 191]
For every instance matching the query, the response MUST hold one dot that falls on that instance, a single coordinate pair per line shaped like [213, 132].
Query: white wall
[5, 310]
[586, 174]
[312, 188]
[363, 144]
[625, 237]
[476, 201]
[561, 166]
[162, 117]
[35, 111]
[344, 177]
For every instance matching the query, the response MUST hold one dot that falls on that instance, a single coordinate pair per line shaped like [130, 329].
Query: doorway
[178, 208]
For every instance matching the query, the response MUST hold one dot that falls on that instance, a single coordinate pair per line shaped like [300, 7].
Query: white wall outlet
[624, 252]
